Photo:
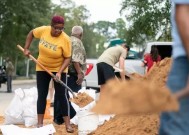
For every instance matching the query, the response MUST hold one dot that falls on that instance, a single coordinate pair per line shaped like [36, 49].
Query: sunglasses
[58, 28]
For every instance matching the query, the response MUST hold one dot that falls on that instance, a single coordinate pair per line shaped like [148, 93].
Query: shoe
[58, 122]
[69, 129]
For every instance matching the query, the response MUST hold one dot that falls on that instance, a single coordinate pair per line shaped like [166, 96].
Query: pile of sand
[130, 125]
[158, 73]
[140, 124]
[134, 97]
[143, 94]
[82, 99]
[119, 125]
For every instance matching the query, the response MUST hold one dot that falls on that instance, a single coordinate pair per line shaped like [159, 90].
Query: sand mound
[143, 94]
[134, 97]
[140, 124]
[130, 125]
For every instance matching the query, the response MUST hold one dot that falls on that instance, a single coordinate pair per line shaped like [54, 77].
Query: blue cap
[116, 42]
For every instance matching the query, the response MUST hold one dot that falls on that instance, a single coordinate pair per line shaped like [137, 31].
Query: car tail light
[89, 68]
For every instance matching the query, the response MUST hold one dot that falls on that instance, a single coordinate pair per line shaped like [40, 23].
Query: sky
[107, 10]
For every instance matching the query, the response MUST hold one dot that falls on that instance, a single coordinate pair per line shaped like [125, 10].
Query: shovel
[120, 70]
[50, 73]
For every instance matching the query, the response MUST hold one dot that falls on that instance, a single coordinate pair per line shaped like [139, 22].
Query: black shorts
[105, 72]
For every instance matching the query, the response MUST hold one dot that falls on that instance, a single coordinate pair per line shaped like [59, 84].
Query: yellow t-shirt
[52, 50]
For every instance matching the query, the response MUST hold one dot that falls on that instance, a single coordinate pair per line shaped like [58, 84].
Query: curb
[23, 81]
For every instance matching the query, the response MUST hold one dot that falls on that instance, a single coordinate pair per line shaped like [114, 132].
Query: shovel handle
[31, 57]
[50, 73]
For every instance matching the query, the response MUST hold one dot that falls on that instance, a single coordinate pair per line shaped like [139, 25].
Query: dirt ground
[130, 125]
[138, 124]
[60, 129]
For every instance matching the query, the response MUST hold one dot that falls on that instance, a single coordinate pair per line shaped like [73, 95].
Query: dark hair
[154, 53]
[126, 46]
[57, 20]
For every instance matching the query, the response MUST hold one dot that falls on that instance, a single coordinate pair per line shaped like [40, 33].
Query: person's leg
[101, 79]
[65, 107]
[11, 83]
[43, 80]
[105, 73]
[58, 118]
[72, 83]
[177, 123]
[8, 83]
[57, 111]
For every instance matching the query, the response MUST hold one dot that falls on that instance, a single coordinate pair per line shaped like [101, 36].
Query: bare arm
[182, 20]
[122, 67]
[80, 75]
[63, 67]
[29, 39]
[77, 67]
[143, 63]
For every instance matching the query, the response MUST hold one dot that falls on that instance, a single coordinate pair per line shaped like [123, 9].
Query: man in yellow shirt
[54, 53]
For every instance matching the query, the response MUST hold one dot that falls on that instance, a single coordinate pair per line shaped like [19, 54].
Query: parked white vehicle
[132, 63]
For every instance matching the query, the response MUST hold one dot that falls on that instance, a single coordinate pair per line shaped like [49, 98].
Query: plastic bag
[87, 108]
[23, 108]
[13, 114]
[15, 130]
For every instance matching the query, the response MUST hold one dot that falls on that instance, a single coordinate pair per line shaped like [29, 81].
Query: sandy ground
[60, 129]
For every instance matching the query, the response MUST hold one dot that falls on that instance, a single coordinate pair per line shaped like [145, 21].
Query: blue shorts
[177, 123]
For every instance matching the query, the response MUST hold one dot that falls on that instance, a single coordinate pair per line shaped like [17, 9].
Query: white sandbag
[87, 122]
[87, 108]
[23, 108]
[13, 113]
[91, 93]
[30, 107]
[15, 130]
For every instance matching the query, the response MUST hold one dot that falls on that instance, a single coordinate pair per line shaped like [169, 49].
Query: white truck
[132, 63]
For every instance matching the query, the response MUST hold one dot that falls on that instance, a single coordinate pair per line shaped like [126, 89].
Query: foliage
[120, 26]
[145, 20]
[149, 20]
[17, 18]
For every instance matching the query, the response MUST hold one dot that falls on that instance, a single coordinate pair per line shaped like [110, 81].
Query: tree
[16, 20]
[120, 26]
[105, 28]
[149, 19]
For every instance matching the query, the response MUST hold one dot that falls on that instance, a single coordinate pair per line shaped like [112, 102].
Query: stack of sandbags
[23, 108]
